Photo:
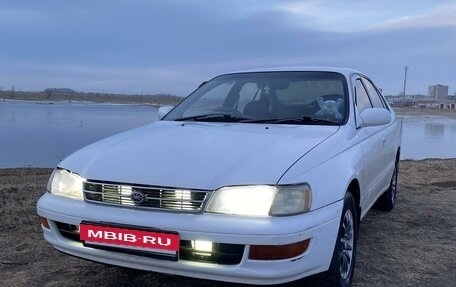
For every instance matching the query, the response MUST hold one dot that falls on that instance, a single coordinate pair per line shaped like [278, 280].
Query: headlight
[261, 200]
[253, 200]
[65, 183]
[292, 199]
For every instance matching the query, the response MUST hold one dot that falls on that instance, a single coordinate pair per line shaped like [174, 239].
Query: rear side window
[362, 99]
[373, 94]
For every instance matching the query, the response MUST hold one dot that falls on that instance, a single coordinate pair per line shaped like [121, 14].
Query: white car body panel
[150, 151]
[320, 225]
[331, 159]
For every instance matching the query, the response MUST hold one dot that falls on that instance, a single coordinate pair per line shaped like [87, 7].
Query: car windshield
[268, 97]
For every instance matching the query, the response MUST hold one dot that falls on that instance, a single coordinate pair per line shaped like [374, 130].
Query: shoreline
[160, 100]
[63, 102]
[80, 97]
[150, 101]
[427, 112]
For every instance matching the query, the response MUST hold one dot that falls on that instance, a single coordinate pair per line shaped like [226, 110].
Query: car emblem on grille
[138, 197]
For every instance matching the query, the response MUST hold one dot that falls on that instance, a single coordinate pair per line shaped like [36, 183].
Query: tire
[340, 272]
[387, 200]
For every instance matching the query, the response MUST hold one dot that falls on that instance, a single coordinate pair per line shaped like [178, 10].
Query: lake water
[428, 137]
[41, 134]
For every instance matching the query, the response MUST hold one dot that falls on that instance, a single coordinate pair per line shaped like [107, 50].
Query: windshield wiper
[218, 117]
[293, 120]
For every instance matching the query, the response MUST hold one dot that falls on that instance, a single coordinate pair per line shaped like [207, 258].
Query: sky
[148, 47]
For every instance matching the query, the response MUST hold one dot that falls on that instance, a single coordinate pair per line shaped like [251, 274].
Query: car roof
[345, 71]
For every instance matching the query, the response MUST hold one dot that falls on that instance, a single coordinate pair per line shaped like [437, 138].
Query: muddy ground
[413, 245]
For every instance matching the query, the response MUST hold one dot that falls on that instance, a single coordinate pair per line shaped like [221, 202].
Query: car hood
[197, 155]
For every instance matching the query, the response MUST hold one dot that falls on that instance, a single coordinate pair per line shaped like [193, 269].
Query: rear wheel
[387, 200]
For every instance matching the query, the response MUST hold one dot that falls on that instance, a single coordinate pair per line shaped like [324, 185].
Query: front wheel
[340, 272]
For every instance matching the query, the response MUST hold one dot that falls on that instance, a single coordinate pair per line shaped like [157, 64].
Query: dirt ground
[413, 245]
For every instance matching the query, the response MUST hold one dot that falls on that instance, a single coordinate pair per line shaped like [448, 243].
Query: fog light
[278, 252]
[203, 247]
[44, 222]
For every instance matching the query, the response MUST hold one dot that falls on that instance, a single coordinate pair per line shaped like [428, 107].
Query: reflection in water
[434, 130]
[41, 135]
[452, 130]
[428, 137]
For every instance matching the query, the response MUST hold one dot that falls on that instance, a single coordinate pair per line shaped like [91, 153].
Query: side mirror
[162, 111]
[375, 117]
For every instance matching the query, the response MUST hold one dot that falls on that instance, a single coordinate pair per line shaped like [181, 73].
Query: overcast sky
[145, 46]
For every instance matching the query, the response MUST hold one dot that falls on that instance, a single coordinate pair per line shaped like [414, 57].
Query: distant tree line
[69, 95]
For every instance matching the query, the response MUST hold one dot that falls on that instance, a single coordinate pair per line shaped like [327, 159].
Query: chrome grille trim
[158, 198]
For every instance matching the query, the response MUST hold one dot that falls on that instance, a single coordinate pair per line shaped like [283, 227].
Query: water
[40, 135]
[428, 137]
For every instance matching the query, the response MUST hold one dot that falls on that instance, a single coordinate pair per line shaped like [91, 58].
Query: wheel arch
[398, 154]
[355, 191]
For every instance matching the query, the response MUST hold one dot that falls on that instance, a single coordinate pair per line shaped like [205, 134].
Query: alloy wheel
[394, 186]
[346, 245]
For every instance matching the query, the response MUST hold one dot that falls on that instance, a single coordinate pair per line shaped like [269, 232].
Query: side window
[362, 99]
[373, 94]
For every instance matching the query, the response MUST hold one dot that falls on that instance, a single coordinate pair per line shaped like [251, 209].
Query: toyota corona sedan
[257, 177]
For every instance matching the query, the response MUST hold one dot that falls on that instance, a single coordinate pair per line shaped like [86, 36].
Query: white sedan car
[257, 177]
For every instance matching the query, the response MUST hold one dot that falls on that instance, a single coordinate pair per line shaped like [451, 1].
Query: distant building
[408, 100]
[438, 92]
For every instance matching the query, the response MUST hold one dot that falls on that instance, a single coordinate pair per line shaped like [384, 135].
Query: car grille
[141, 196]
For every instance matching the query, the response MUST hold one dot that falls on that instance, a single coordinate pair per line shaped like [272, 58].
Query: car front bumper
[320, 226]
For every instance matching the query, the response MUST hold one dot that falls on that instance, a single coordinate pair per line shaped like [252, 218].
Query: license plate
[134, 238]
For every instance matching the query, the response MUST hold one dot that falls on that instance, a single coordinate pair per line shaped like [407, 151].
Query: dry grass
[414, 245]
